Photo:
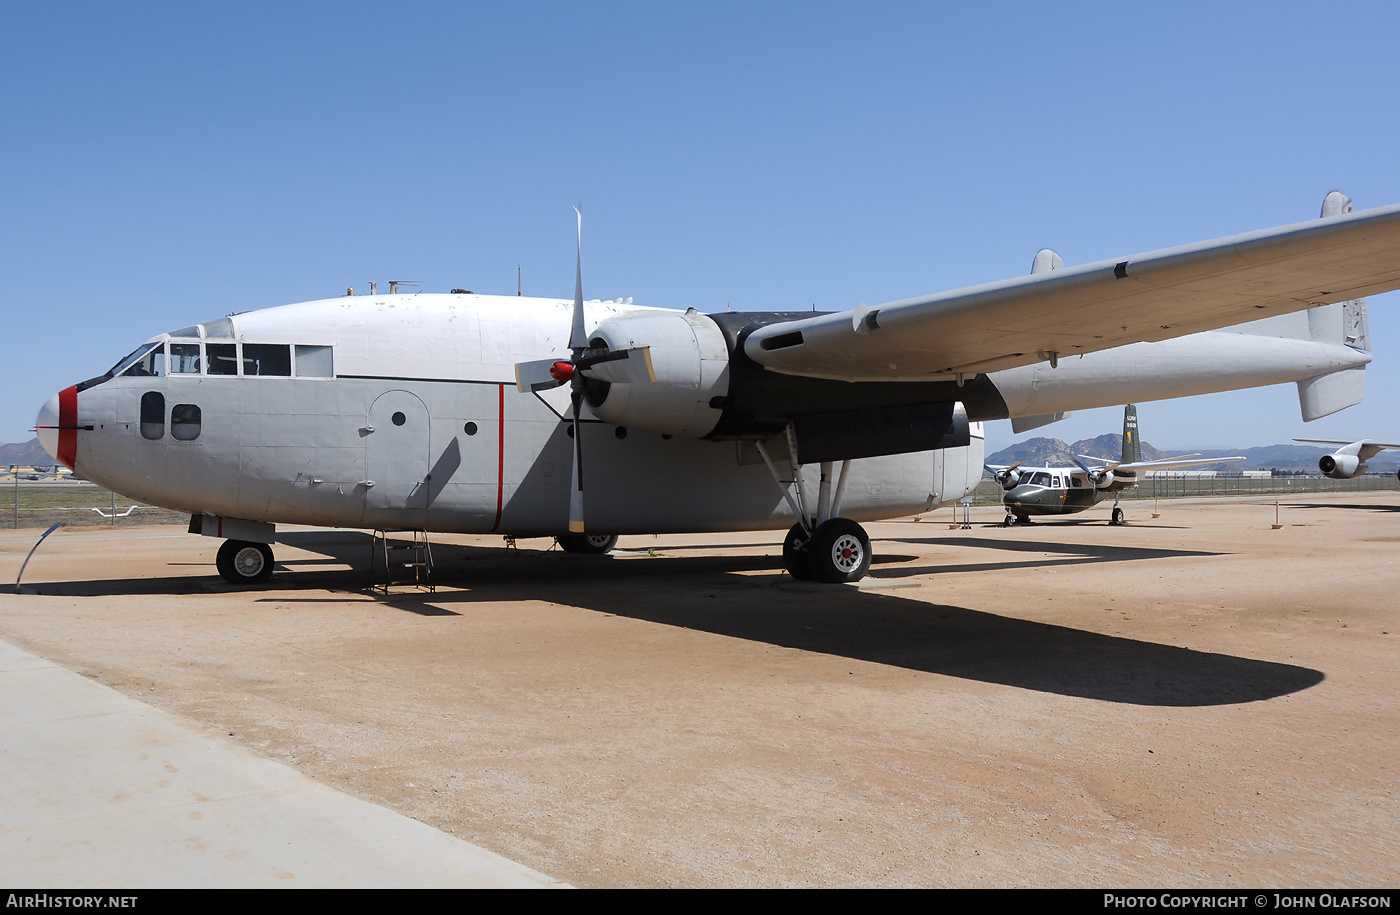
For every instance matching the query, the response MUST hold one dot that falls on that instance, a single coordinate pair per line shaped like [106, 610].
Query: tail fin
[1132, 448]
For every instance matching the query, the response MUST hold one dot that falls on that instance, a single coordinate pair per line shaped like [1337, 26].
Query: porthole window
[469, 428]
[399, 419]
[184, 422]
[153, 415]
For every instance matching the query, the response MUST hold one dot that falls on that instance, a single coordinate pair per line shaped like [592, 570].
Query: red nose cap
[561, 371]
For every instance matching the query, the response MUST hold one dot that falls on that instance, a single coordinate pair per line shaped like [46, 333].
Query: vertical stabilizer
[1132, 448]
[1340, 322]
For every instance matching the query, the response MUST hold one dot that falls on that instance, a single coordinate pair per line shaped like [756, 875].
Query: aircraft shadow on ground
[1355, 506]
[723, 595]
[1062, 554]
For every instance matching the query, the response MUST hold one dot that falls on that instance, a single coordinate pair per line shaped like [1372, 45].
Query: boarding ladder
[400, 562]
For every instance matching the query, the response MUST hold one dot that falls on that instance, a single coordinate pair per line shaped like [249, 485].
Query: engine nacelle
[1341, 466]
[691, 362]
[1009, 479]
[1104, 480]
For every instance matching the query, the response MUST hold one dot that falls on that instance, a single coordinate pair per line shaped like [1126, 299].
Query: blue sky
[163, 164]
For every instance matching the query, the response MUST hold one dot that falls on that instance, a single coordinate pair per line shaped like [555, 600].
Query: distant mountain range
[1051, 452]
[27, 453]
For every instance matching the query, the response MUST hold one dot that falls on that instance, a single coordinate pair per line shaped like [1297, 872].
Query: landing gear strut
[244, 563]
[824, 547]
[1117, 517]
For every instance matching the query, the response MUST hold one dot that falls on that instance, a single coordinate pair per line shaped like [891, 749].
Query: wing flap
[1075, 310]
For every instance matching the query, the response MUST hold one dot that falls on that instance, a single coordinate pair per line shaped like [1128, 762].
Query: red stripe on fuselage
[500, 454]
[68, 427]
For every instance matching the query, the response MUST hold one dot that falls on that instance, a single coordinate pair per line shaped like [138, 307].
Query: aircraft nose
[56, 426]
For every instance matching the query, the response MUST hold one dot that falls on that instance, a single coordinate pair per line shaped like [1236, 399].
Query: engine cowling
[691, 363]
[1104, 480]
[1341, 466]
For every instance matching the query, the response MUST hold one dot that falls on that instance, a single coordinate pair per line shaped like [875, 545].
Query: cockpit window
[223, 358]
[184, 358]
[267, 359]
[1039, 479]
[148, 359]
[223, 327]
[314, 362]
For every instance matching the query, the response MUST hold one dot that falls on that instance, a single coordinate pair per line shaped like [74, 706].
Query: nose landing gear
[244, 563]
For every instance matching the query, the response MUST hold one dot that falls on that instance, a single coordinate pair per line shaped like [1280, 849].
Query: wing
[1364, 449]
[1169, 463]
[1060, 313]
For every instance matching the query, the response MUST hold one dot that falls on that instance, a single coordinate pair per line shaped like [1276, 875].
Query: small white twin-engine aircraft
[476, 414]
[1348, 461]
[1067, 490]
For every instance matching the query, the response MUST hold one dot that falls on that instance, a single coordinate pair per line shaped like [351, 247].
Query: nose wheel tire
[244, 563]
[593, 544]
[839, 551]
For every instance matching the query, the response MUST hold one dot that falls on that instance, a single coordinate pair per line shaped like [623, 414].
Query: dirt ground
[1195, 700]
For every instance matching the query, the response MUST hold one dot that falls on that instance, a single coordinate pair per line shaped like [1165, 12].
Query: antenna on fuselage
[395, 284]
[519, 282]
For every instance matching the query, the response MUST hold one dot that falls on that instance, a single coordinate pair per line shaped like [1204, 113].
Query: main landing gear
[593, 544]
[243, 563]
[824, 547]
[837, 551]
[1117, 516]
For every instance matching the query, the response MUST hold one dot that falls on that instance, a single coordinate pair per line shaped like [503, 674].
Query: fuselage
[1056, 491]
[401, 411]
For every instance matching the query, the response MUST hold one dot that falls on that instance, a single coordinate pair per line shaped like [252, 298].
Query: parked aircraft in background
[1067, 490]
[1349, 460]
[477, 414]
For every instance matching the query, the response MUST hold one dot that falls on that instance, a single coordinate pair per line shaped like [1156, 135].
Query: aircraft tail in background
[1132, 448]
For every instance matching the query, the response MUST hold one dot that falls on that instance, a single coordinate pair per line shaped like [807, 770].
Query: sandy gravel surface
[1196, 700]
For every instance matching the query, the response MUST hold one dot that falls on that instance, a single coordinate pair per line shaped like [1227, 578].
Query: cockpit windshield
[146, 359]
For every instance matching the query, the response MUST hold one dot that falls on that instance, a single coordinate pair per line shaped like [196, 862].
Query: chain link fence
[72, 503]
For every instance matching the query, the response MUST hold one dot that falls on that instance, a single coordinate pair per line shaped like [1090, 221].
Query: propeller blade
[578, 335]
[536, 376]
[576, 481]
[624, 366]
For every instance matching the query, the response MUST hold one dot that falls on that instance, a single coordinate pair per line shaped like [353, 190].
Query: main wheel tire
[1117, 516]
[244, 563]
[1009, 520]
[795, 558]
[591, 544]
[840, 551]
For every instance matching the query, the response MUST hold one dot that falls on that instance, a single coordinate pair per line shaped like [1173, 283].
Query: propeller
[621, 366]
[1006, 477]
[1100, 477]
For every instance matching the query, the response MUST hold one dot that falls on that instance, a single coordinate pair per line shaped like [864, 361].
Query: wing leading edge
[1075, 310]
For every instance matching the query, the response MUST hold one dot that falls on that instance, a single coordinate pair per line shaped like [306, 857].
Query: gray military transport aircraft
[480, 414]
[1067, 490]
